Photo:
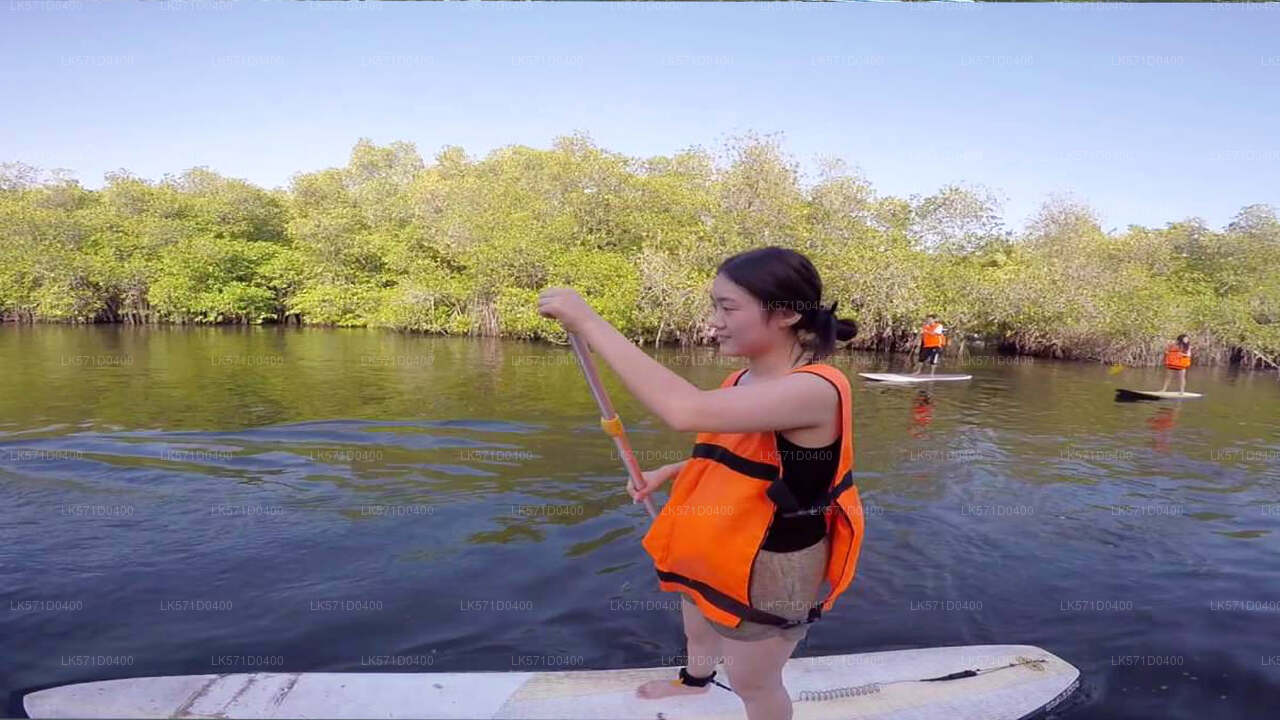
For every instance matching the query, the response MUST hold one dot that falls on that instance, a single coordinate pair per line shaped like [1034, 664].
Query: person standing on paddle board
[931, 339]
[1177, 358]
[765, 508]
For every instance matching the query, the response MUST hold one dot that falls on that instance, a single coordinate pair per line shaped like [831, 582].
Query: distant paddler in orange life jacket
[931, 339]
[1177, 358]
[764, 510]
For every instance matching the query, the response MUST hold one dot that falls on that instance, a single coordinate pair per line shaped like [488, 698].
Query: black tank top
[807, 472]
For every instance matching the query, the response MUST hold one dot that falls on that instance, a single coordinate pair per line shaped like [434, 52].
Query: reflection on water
[921, 413]
[1162, 422]
[330, 497]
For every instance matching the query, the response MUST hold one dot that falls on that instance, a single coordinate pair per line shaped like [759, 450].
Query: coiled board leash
[873, 688]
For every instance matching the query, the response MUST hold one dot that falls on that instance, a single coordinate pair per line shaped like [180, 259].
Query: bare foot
[666, 688]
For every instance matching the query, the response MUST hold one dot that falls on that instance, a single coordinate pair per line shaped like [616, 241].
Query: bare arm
[799, 400]
[674, 468]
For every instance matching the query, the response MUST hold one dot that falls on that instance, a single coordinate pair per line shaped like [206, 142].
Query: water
[185, 501]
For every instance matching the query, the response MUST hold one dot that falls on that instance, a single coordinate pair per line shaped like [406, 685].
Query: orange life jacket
[705, 540]
[1175, 359]
[932, 335]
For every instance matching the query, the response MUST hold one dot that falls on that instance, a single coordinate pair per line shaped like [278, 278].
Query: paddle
[609, 420]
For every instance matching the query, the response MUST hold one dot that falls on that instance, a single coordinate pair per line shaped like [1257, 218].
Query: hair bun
[845, 329]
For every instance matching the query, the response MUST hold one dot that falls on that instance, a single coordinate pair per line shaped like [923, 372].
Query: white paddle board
[1122, 394]
[1013, 682]
[895, 377]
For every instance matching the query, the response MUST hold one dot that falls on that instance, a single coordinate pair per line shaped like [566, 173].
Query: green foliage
[212, 279]
[463, 246]
[611, 281]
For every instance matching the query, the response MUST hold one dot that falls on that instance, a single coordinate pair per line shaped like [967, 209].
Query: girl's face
[740, 324]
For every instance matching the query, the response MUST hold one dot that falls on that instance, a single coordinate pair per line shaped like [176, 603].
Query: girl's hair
[1184, 342]
[781, 278]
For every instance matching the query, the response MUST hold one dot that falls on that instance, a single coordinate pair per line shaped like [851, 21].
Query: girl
[1177, 358]
[765, 507]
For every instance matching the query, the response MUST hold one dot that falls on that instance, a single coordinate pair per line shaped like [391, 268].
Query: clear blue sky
[1148, 113]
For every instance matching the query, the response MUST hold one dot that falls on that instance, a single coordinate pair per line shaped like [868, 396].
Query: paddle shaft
[609, 419]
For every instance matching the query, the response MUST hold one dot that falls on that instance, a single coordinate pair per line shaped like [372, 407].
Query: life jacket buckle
[815, 613]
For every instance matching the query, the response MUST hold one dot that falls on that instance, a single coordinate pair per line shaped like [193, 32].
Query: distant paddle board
[1131, 395]
[895, 377]
[1005, 682]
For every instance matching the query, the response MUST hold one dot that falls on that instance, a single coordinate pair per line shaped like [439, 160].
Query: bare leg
[1182, 381]
[704, 652]
[1168, 375]
[755, 674]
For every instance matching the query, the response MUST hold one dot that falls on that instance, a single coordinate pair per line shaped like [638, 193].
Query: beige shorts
[785, 584]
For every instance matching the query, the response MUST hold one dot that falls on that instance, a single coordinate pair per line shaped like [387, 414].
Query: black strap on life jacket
[735, 462]
[732, 606]
[789, 506]
[756, 615]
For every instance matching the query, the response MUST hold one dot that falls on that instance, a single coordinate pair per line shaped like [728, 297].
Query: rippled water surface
[183, 501]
